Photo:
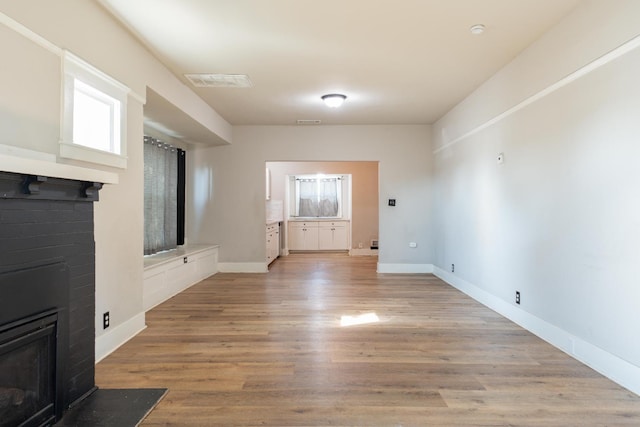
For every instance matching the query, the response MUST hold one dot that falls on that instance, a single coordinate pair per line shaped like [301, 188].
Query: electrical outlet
[105, 320]
[453, 268]
[517, 297]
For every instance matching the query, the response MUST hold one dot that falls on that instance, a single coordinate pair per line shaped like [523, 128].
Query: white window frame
[113, 93]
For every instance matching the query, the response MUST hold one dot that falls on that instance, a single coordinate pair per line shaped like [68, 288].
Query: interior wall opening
[358, 214]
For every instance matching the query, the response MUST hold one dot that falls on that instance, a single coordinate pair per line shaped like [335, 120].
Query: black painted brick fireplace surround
[47, 223]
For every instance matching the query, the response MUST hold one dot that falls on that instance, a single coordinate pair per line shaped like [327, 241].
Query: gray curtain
[160, 196]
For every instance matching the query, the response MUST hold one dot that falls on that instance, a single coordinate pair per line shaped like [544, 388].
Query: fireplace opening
[33, 344]
[27, 371]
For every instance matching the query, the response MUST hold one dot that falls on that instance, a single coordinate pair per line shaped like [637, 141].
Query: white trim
[581, 72]
[78, 67]
[110, 341]
[137, 97]
[75, 70]
[186, 250]
[608, 364]
[243, 267]
[91, 155]
[54, 170]
[363, 252]
[405, 268]
[27, 33]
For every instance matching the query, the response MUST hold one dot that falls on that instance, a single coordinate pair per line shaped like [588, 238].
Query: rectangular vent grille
[308, 122]
[219, 80]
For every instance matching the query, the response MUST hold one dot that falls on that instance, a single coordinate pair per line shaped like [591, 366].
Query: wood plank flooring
[268, 350]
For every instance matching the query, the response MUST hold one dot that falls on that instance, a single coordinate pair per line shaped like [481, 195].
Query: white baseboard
[405, 268]
[363, 252]
[109, 342]
[243, 267]
[609, 365]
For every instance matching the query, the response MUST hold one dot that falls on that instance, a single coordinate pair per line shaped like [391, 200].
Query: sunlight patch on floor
[361, 319]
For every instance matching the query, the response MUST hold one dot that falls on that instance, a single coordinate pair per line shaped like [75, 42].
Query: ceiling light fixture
[334, 100]
[477, 29]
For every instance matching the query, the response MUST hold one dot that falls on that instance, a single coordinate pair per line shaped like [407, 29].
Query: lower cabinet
[333, 236]
[318, 235]
[273, 242]
[303, 236]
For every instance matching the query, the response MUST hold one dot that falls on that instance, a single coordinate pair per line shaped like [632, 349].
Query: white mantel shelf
[28, 166]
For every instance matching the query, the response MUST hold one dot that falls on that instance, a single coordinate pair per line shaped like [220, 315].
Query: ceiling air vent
[219, 80]
[308, 122]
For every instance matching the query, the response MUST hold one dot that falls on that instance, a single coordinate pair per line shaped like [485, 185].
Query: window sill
[86, 154]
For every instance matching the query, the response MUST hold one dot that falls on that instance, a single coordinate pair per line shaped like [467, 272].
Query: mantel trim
[37, 167]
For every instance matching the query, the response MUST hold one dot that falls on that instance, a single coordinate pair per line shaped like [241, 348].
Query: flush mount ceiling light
[477, 29]
[334, 100]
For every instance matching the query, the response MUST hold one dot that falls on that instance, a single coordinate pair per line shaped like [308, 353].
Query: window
[94, 115]
[164, 201]
[318, 196]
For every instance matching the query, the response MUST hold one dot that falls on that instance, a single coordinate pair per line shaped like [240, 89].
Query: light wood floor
[268, 350]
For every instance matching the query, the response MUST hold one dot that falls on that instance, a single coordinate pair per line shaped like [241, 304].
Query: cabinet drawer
[333, 224]
[303, 224]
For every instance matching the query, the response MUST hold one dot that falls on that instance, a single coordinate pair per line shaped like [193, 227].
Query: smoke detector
[219, 80]
[477, 29]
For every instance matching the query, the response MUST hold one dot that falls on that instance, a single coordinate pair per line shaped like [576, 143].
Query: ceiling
[398, 62]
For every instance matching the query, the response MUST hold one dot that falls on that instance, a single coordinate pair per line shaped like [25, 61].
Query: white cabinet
[169, 273]
[333, 235]
[318, 235]
[273, 242]
[303, 236]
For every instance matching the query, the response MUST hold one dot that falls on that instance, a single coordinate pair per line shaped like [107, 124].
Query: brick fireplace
[47, 296]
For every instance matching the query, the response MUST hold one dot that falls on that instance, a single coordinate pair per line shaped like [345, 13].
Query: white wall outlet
[413, 245]
[500, 158]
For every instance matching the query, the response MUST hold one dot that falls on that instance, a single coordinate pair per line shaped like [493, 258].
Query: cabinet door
[340, 237]
[303, 236]
[310, 238]
[334, 236]
[325, 238]
[270, 256]
[296, 238]
[275, 242]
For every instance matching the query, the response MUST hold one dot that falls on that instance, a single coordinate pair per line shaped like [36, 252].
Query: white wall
[30, 118]
[227, 186]
[559, 221]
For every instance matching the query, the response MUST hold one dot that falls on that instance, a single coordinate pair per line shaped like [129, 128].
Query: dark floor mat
[113, 408]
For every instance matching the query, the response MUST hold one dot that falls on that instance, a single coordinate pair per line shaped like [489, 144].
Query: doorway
[363, 197]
